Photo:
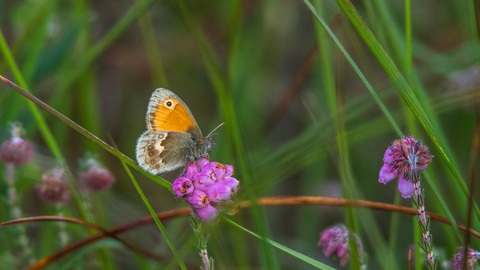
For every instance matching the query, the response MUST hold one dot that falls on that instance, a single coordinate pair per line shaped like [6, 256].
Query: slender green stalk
[47, 134]
[292, 252]
[74, 73]
[155, 217]
[87, 134]
[159, 77]
[405, 91]
[16, 213]
[337, 112]
[380, 104]
[227, 106]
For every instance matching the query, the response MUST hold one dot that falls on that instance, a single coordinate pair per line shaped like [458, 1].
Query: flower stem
[423, 220]
[17, 213]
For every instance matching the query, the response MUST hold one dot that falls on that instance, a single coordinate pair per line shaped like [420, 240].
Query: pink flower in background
[95, 176]
[472, 257]
[206, 185]
[334, 240]
[16, 151]
[54, 188]
[401, 159]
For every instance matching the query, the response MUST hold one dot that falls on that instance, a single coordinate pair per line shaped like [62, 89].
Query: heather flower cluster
[472, 257]
[335, 239]
[401, 159]
[206, 185]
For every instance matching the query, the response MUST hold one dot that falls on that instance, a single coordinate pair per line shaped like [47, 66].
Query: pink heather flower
[472, 257]
[231, 182]
[335, 238]
[206, 185]
[220, 193]
[207, 213]
[182, 186]
[198, 199]
[401, 159]
[16, 151]
[54, 188]
[97, 179]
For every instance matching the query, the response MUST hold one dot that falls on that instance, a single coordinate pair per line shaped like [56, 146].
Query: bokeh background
[264, 68]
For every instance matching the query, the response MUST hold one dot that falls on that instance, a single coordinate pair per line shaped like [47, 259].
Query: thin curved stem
[266, 201]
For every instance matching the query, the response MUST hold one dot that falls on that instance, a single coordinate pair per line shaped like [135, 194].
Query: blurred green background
[298, 120]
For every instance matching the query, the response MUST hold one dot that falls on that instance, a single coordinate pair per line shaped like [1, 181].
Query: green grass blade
[233, 130]
[154, 215]
[283, 248]
[377, 99]
[74, 73]
[404, 89]
[87, 134]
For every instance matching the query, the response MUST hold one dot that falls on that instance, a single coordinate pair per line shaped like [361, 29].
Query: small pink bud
[97, 179]
[54, 189]
[220, 193]
[198, 199]
[231, 182]
[207, 214]
[190, 170]
[182, 186]
[16, 151]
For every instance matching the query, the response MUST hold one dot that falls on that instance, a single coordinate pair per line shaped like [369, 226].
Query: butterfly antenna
[211, 133]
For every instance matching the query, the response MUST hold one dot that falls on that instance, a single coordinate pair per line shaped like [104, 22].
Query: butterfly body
[173, 137]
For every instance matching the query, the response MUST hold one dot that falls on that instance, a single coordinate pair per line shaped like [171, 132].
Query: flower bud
[198, 199]
[16, 151]
[182, 186]
[54, 189]
[220, 193]
[207, 214]
[97, 179]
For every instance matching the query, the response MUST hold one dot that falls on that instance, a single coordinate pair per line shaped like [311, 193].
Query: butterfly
[173, 137]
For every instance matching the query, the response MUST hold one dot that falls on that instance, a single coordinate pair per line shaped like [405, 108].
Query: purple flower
[16, 151]
[472, 257]
[207, 213]
[54, 188]
[335, 238]
[182, 186]
[198, 199]
[401, 159]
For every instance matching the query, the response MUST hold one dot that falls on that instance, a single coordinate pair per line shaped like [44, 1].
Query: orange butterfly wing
[167, 112]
